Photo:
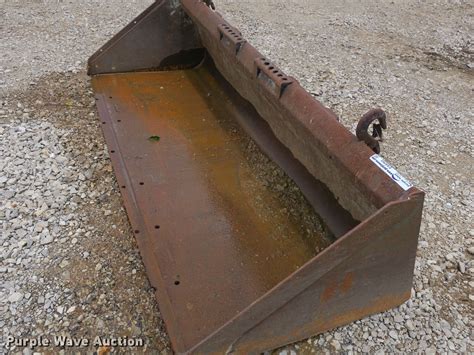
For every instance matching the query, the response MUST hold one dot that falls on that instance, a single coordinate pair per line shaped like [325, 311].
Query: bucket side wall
[163, 37]
[367, 271]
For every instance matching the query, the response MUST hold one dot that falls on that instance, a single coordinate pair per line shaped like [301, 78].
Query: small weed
[154, 139]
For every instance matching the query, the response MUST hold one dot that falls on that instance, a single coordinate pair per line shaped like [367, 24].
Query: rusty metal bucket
[180, 93]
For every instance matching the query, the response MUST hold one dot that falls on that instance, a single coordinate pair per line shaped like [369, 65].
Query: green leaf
[154, 139]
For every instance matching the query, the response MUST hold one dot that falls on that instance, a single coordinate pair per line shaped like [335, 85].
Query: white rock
[398, 318]
[451, 257]
[15, 297]
[393, 334]
[47, 239]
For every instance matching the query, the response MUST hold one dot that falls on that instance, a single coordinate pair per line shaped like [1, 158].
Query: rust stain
[346, 284]
[329, 292]
[104, 350]
[343, 286]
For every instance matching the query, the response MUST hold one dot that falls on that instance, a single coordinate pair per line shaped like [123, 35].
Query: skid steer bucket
[180, 94]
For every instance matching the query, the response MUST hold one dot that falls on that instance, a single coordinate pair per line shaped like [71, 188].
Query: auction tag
[391, 171]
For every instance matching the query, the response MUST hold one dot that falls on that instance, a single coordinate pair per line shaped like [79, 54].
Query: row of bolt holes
[232, 32]
[113, 151]
[177, 282]
[136, 231]
[141, 183]
[274, 71]
[124, 187]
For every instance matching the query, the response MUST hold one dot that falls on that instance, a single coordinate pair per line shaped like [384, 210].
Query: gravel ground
[68, 261]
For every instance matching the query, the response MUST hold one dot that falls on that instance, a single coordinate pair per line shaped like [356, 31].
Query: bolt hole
[123, 186]
[271, 68]
[284, 79]
[142, 183]
[112, 151]
[275, 71]
[157, 227]
[280, 75]
[119, 120]
[177, 282]
[137, 231]
[110, 97]
[267, 63]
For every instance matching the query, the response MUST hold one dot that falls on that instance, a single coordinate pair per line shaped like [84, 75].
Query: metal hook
[362, 130]
[210, 3]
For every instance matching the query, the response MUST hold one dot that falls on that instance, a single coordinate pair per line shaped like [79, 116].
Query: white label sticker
[390, 171]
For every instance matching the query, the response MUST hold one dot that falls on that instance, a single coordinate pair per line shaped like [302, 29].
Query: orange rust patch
[329, 292]
[346, 284]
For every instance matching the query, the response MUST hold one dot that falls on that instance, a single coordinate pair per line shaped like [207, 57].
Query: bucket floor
[220, 237]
